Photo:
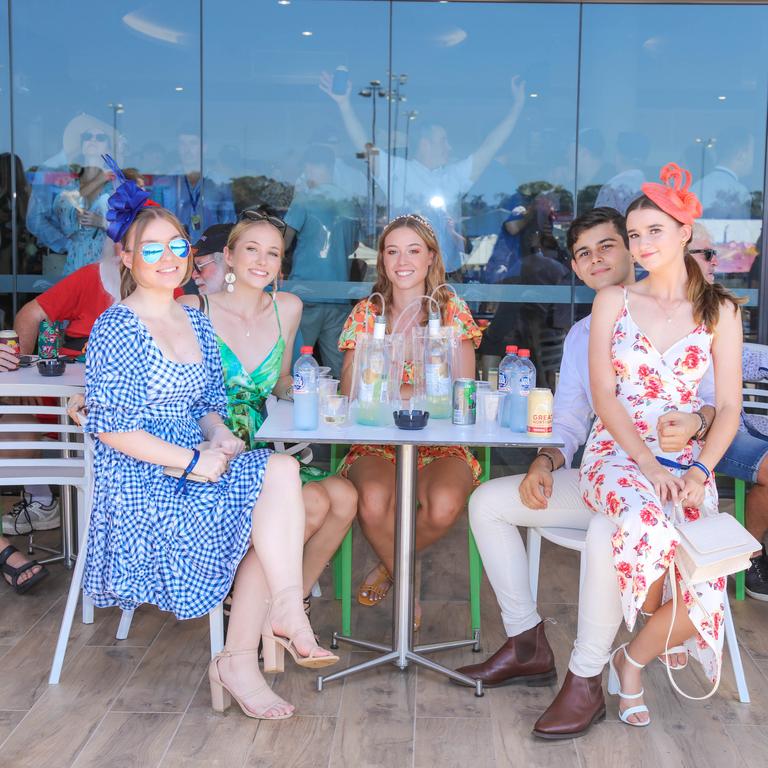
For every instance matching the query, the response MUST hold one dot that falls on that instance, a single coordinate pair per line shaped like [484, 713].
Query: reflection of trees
[248, 191]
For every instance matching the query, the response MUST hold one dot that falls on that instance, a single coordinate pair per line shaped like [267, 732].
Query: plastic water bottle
[437, 371]
[305, 391]
[523, 383]
[507, 371]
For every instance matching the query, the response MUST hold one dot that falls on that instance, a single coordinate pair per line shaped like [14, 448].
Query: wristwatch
[702, 430]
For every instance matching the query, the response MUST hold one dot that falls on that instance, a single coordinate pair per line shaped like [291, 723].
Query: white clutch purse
[713, 546]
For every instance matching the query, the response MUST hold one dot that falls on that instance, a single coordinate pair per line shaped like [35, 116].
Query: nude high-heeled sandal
[221, 695]
[274, 646]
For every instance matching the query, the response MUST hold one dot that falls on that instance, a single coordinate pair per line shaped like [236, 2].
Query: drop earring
[229, 279]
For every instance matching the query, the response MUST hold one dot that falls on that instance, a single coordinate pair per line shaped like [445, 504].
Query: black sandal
[15, 573]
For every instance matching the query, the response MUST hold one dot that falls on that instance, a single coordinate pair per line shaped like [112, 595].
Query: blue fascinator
[124, 203]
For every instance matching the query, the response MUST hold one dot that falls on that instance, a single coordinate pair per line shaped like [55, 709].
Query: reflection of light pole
[117, 109]
[705, 145]
[373, 92]
[395, 96]
[410, 116]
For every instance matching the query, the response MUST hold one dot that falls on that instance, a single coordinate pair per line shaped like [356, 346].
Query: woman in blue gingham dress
[148, 543]
[155, 397]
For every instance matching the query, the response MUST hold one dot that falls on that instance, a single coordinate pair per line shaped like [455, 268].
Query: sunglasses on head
[88, 136]
[707, 253]
[153, 252]
[279, 224]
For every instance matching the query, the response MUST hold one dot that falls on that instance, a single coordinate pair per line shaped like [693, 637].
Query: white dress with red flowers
[649, 384]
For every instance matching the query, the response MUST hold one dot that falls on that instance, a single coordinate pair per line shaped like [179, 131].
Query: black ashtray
[411, 419]
[51, 367]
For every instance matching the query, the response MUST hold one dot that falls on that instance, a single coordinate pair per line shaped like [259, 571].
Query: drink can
[540, 403]
[11, 339]
[464, 401]
[49, 339]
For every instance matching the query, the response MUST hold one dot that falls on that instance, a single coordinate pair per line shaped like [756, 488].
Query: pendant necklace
[664, 311]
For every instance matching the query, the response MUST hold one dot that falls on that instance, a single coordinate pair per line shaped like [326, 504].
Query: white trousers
[495, 511]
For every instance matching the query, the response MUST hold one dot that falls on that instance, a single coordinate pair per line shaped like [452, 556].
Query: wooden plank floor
[145, 702]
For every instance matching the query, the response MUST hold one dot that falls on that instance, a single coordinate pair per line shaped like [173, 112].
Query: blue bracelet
[702, 467]
[181, 486]
[677, 465]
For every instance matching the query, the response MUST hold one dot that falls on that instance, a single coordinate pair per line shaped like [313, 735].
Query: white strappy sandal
[614, 689]
[676, 650]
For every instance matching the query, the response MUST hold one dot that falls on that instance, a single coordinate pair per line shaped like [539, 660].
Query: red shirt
[79, 298]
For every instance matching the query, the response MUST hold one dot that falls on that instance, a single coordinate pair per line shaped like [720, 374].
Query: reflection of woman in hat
[81, 211]
[650, 345]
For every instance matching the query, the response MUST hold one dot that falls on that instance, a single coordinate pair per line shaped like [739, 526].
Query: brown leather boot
[578, 704]
[524, 658]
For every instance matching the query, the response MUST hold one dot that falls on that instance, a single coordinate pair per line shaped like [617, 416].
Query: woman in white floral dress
[649, 348]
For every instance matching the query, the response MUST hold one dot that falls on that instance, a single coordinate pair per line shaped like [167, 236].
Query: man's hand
[326, 86]
[9, 360]
[675, 430]
[536, 487]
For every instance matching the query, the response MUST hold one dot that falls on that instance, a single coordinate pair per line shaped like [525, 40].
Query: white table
[278, 427]
[27, 382]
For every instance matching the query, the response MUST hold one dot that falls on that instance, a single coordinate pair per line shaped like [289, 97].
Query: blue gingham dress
[148, 543]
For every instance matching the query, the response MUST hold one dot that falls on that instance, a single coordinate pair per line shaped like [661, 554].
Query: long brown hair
[435, 272]
[706, 298]
[143, 217]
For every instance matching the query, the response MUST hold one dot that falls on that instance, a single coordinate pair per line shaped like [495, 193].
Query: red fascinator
[673, 195]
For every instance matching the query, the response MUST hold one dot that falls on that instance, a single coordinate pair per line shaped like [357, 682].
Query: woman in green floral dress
[254, 327]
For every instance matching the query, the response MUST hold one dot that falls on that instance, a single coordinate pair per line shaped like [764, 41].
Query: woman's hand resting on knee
[667, 486]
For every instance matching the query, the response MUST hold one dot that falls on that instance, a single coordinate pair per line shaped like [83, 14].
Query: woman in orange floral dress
[649, 347]
[409, 265]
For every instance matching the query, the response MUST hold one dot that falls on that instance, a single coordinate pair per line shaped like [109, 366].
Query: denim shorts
[744, 456]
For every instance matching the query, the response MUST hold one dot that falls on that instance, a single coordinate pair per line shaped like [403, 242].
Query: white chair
[216, 616]
[572, 538]
[62, 463]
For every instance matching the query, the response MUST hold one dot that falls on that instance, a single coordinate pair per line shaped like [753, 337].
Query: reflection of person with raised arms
[427, 183]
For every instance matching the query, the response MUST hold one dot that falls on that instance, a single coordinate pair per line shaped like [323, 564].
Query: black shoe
[756, 578]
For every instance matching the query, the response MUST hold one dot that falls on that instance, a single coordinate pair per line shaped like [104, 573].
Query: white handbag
[711, 547]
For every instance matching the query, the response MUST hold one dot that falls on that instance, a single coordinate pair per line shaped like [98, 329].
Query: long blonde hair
[143, 217]
[435, 273]
[705, 298]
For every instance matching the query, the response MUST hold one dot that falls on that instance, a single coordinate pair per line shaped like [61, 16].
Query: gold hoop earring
[229, 279]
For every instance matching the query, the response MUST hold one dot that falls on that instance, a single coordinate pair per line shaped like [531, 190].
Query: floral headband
[124, 203]
[418, 217]
[673, 195]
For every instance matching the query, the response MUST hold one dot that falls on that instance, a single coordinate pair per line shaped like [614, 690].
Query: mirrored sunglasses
[152, 252]
[707, 253]
[279, 224]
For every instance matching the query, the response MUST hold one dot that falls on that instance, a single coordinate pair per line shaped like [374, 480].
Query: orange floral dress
[361, 319]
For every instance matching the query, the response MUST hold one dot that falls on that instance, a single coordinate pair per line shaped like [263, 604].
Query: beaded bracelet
[181, 486]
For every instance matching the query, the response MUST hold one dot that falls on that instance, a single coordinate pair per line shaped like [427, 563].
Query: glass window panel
[652, 92]
[6, 162]
[124, 80]
[488, 158]
[281, 141]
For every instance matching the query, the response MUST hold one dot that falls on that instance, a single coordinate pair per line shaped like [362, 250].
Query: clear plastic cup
[324, 371]
[483, 385]
[334, 410]
[488, 406]
[327, 387]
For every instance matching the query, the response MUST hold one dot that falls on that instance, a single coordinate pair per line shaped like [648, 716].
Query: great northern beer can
[540, 403]
[464, 401]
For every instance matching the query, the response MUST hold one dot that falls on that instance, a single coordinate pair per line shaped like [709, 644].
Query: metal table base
[402, 652]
